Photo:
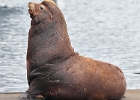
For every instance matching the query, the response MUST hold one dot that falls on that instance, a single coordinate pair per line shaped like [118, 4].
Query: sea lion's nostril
[30, 10]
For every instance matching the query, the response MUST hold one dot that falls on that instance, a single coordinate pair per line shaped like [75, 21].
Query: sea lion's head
[40, 12]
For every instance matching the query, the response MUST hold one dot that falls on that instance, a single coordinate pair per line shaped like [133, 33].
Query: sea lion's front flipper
[39, 72]
[26, 96]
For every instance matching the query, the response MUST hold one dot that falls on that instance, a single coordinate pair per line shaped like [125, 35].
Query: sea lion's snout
[31, 10]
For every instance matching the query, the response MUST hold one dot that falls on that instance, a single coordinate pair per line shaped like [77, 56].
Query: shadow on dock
[129, 95]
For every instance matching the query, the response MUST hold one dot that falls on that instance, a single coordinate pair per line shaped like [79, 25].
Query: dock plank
[130, 95]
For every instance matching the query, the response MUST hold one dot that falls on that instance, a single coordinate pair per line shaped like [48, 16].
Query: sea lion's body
[79, 78]
[56, 72]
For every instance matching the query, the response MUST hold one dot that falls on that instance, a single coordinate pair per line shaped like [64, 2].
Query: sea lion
[55, 71]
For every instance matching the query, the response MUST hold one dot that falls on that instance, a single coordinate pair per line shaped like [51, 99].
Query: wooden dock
[130, 95]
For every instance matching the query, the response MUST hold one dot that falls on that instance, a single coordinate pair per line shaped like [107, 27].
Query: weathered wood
[130, 95]
[9, 96]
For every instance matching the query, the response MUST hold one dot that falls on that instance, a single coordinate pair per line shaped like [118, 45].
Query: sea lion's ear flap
[51, 16]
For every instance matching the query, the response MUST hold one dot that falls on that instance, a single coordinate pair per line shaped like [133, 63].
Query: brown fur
[56, 72]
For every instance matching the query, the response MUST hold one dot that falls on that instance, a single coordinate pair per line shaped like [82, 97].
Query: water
[106, 30]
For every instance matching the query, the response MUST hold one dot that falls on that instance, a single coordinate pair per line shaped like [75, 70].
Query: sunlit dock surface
[130, 95]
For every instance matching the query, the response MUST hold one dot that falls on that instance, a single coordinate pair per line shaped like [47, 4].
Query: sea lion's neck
[48, 45]
[40, 27]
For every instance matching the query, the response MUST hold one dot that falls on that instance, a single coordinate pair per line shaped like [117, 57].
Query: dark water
[106, 30]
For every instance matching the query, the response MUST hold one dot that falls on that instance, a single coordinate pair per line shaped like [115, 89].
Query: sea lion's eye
[41, 8]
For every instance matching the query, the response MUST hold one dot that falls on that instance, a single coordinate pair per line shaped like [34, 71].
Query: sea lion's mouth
[32, 16]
